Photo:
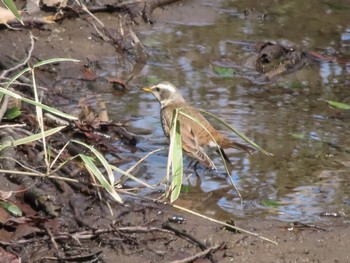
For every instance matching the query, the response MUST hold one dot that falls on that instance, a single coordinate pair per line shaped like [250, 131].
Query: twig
[92, 257]
[83, 235]
[182, 233]
[3, 107]
[12, 125]
[198, 255]
[32, 42]
[225, 224]
[52, 238]
[85, 9]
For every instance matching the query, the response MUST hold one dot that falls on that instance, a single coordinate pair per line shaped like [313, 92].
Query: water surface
[310, 171]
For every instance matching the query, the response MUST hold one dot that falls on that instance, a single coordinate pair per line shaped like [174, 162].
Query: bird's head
[166, 93]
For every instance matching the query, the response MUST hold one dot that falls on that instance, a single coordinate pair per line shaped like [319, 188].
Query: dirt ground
[84, 230]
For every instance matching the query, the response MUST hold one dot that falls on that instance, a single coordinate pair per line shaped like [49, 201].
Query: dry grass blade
[31, 138]
[89, 164]
[225, 224]
[101, 158]
[241, 135]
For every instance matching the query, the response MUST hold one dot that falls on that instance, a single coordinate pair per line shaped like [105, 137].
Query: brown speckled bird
[196, 142]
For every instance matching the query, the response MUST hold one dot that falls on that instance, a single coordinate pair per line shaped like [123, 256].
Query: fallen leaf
[338, 105]
[11, 208]
[24, 230]
[12, 113]
[5, 194]
[4, 216]
[8, 257]
[224, 72]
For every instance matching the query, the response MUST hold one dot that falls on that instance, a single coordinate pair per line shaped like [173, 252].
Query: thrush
[196, 141]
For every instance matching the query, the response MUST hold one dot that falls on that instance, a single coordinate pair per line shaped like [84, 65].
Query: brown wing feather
[190, 143]
[194, 138]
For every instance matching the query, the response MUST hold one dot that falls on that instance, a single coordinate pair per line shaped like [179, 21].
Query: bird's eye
[157, 89]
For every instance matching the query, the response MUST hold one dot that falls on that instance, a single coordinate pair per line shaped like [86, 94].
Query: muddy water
[310, 171]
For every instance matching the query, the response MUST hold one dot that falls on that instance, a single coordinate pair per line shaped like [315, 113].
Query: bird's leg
[224, 155]
[191, 162]
[195, 168]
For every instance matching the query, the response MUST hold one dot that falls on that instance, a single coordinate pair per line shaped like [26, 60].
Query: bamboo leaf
[115, 168]
[31, 138]
[41, 63]
[175, 158]
[12, 7]
[44, 107]
[245, 138]
[101, 158]
[54, 60]
[177, 162]
[97, 173]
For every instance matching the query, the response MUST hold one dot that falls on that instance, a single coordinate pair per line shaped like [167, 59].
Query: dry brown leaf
[5, 194]
[8, 257]
[4, 216]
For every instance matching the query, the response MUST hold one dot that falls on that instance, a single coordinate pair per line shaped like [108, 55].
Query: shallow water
[310, 171]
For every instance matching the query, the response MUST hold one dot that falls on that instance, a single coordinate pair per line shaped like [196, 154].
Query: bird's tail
[243, 147]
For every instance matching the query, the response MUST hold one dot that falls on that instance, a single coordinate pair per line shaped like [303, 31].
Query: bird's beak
[148, 89]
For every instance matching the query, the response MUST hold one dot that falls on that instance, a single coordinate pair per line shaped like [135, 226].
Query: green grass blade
[177, 163]
[245, 138]
[97, 173]
[41, 63]
[131, 176]
[54, 60]
[101, 158]
[43, 106]
[11, 208]
[171, 146]
[32, 138]
[16, 76]
[175, 159]
[12, 7]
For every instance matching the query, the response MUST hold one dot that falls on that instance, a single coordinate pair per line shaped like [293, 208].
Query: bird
[196, 141]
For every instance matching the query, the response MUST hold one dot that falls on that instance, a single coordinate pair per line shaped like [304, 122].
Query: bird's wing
[190, 143]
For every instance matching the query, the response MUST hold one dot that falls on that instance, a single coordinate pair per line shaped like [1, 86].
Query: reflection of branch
[6, 72]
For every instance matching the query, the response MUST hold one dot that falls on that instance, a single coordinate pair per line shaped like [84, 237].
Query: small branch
[182, 233]
[225, 224]
[3, 107]
[198, 255]
[52, 239]
[32, 42]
